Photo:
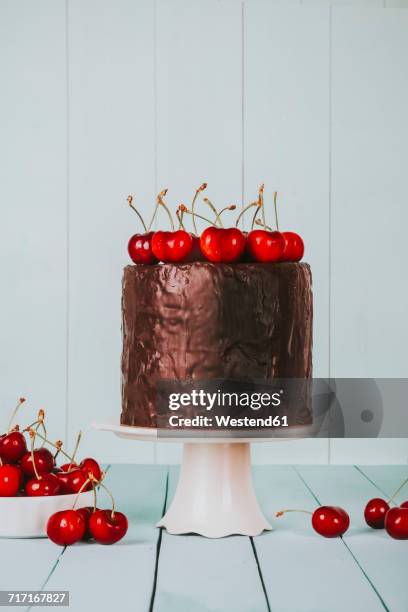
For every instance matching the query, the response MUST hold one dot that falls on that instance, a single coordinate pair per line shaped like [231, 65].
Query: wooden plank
[111, 92]
[124, 572]
[381, 558]
[286, 106]
[33, 195]
[199, 121]
[293, 554]
[387, 478]
[369, 152]
[199, 574]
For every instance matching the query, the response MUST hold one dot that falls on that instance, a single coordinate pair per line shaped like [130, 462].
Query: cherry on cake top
[216, 243]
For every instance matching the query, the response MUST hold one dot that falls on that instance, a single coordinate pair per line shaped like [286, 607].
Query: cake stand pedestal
[215, 495]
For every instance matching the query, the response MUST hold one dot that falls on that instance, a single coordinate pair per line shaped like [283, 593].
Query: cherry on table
[90, 465]
[222, 245]
[44, 462]
[66, 527]
[375, 512]
[44, 486]
[396, 523]
[140, 249]
[404, 504]
[294, 247]
[108, 527]
[265, 246]
[330, 521]
[12, 446]
[11, 478]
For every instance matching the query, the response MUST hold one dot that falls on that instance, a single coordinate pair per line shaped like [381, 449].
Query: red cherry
[222, 245]
[12, 446]
[86, 514]
[91, 465]
[404, 504]
[375, 511]
[140, 249]
[44, 462]
[330, 521]
[396, 523]
[66, 527]
[172, 246]
[11, 478]
[294, 247]
[195, 253]
[108, 527]
[64, 481]
[76, 479]
[265, 246]
[67, 467]
[46, 485]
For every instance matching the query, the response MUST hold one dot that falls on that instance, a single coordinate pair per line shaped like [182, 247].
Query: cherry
[265, 246]
[44, 462]
[12, 446]
[77, 479]
[375, 512]
[294, 247]
[172, 246]
[66, 527]
[67, 467]
[11, 478]
[86, 514]
[328, 521]
[140, 249]
[91, 465]
[404, 504]
[396, 523]
[46, 485]
[64, 481]
[107, 526]
[222, 245]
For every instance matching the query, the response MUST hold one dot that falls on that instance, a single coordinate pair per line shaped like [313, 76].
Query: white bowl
[26, 517]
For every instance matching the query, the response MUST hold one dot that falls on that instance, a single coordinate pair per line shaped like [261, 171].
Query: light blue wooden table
[290, 569]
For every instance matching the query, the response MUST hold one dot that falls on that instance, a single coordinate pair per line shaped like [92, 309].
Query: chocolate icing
[203, 321]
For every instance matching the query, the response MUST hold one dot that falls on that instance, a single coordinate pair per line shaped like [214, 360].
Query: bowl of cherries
[44, 491]
[217, 243]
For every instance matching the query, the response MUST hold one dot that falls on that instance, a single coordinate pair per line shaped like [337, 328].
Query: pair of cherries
[70, 526]
[216, 244]
[378, 514]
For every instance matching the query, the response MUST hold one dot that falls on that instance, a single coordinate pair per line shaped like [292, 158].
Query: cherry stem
[166, 208]
[193, 203]
[130, 202]
[33, 435]
[111, 496]
[50, 443]
[87, 481]
[78, 440]
[211, 205]
[13, 414]
[189, 212]
[404, 482]
[179, 214]
[58, 444]
[260, 222]
[261, 203]
[275, 197]
[282, 512]
[218, 217]
[243, 211]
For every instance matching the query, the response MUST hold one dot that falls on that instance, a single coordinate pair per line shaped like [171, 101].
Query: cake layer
[204, 321]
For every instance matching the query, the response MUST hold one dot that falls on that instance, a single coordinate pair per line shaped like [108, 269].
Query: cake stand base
[214, 495]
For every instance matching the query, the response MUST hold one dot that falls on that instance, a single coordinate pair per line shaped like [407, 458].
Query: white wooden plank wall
[100, 99]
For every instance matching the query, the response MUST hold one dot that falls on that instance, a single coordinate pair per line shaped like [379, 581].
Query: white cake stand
[215, 495]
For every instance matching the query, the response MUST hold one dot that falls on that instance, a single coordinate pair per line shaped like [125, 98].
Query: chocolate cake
[211, 321]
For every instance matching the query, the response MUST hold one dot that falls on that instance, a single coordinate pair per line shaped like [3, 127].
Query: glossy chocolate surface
[202, 321]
